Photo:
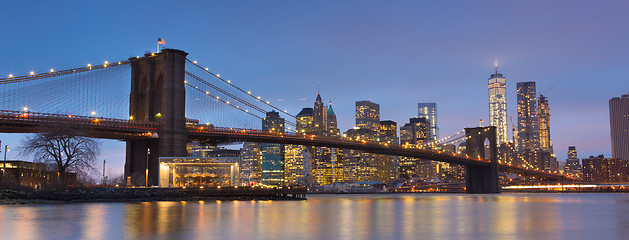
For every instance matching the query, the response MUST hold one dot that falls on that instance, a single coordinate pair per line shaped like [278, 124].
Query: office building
[573, 167]
[429, 112]
[604, 170]
[497, 88]
[528, 123]
[273, 153]
[619, 126]
[543, 113]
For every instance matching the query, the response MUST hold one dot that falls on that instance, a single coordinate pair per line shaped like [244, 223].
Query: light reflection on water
[393, 216]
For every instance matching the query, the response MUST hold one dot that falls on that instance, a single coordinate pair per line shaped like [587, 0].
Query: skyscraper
[528, 127]
[368, 115]
[572, 163]
[429, 112]
[273, 153]
[543, 113]
[619, 126]
[388, 165]
[498, 105]
[368, 126]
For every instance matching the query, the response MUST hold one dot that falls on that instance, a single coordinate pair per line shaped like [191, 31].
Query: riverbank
[100, 194]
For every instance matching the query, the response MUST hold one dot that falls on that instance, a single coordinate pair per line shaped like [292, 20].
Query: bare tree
[64, 148]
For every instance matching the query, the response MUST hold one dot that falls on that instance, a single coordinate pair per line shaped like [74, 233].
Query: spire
[318, 98]
[496, 66]
[330, 110]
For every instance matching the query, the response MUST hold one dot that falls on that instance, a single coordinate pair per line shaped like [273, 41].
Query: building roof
[330, 110]
[306, 112]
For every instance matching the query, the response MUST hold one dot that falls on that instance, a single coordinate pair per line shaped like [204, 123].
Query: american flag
[161, 41]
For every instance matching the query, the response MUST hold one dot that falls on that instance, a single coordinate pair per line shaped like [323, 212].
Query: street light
[4, 165]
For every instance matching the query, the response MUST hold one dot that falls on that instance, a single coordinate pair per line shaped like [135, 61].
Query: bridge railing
[39, 118]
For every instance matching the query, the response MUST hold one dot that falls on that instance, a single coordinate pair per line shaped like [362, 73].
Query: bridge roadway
[108, 128]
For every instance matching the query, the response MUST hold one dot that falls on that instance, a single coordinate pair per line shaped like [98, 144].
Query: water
[390, 216]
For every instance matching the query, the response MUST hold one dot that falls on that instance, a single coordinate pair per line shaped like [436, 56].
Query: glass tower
[429, 112]
[273, 153]
[619, 126]
[498, 105]
[528, 122]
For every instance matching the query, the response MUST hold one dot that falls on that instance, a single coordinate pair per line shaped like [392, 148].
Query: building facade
[619, 126]
[272, 153]
[573, 167]
[497, 87]
[604, 170]
[429, 112]
[528, 122]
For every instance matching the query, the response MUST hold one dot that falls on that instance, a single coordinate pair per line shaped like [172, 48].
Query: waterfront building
[429, 112]
[604, 170]
[497, 88]
[294, 158]
[528, 122]
[573, 167]
[251, 163]
[32, 174]
[359, 165]
[273, 153]
[619, 126]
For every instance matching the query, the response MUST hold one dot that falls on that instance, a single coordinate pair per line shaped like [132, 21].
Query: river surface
[389, 216]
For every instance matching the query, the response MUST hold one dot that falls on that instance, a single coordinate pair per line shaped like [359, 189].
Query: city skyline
[418, 61]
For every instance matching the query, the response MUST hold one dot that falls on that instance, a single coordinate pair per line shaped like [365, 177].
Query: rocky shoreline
[93, 195]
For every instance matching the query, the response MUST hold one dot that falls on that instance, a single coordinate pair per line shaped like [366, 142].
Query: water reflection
[399, 216]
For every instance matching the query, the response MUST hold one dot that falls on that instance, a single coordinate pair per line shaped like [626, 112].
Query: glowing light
[267, 102]
[249, 92]
[25, 109]
[246, 110]
[137, 56]
[152, 54]
[106, 62]
[52, 70]
[258, 97]
[32, 73]
[130, 117]
[89, 65]
[158, 114]
[195, 62]
[217, 97]
[227, 102]
[207, 92]
[218, 75]
[10, 75]
[119, 63]
[93, 113]
[229, 81]
[207, 69]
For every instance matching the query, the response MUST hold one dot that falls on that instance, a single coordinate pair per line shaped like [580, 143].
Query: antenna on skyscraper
[496, 66]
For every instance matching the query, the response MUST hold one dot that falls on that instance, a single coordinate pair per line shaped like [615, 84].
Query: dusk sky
[395, 53]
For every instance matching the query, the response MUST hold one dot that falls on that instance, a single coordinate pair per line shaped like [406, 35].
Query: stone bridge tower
[157, 95]
[481, 142]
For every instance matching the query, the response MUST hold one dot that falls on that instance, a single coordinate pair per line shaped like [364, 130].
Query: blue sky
[396, 54]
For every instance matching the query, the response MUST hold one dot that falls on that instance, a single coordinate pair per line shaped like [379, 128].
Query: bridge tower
[157, 95]
[481, 141]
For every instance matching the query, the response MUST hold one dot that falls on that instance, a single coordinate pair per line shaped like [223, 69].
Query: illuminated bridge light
[32, 73]
[89, 65]
[52, 70]
[25, 109]
[10, 75]
[229, 81]
[218, 75]
[195, 62]
[106, 62]
[207, 69]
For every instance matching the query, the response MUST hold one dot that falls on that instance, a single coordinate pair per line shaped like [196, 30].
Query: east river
[388, 216]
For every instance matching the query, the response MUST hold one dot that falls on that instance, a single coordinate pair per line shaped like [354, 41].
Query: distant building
[604, 170]
[305, 121]
[368, 115]
[429, 112]
[388, 165]
[251, 163]
[497, 88]
[543, 113]
[273, 153]
[414, 134]
[528, 122]
[619, 126]
[573, 166]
